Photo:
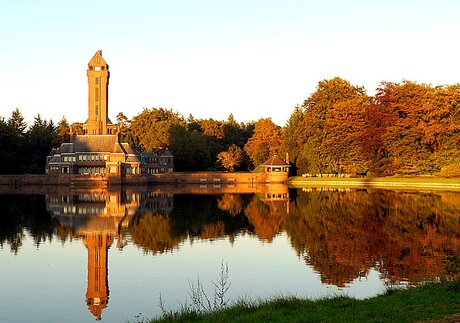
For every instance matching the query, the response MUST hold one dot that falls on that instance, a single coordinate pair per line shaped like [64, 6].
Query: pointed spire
[98, 61]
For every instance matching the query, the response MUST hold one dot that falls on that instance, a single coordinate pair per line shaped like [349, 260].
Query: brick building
[99, 151]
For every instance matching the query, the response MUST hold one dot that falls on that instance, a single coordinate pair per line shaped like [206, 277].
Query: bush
[452, 170]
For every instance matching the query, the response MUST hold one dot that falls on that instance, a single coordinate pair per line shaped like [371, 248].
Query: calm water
[76, 256]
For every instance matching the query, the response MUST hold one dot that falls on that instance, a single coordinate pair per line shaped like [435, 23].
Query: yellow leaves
[265, 141]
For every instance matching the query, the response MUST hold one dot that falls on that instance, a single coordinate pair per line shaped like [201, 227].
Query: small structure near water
[274, 164]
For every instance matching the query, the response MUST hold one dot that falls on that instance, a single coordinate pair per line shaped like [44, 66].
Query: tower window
[97, 110]
[97, 80]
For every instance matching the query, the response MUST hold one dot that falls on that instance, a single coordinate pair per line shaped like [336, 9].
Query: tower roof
[98, 60]
[275, 161]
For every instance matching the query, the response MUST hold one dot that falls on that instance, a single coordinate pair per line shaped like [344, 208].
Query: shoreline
[377, 182]
[231, 178]
[435, 302]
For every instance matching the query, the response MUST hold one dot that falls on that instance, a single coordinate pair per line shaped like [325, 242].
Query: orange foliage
[406, 236]
[232, 203]
[266, 220]
[153, 233]
[213, 230]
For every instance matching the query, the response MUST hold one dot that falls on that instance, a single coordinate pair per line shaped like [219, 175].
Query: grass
[431, 301]
[383, 182]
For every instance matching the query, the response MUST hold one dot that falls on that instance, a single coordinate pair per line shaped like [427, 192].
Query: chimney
[287, 158]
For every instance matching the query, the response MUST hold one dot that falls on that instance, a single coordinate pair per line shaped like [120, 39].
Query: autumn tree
[265, 141]
[342, 143]
[190, 149]
[329, 131]
[420, 124]
[124, 131]
[63, 131]
[232, 158]
[77, 128]
[291, 144]
[152, 127]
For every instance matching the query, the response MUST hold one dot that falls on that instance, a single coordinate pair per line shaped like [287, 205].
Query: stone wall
[202, 178]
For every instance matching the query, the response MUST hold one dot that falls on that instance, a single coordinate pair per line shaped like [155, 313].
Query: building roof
[166, 153]
[97, 143]
[66, 147]
[275, 161]
[94, 144]
[98, 60]
[127, 148]
[151, 154]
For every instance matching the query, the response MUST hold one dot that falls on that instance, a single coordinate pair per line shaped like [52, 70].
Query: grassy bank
[433, 301]
[378, 182]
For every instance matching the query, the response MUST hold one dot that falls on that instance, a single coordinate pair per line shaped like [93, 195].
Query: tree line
[24, 149]
[406, 128]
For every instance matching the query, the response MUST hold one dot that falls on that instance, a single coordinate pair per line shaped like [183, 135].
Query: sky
[252, 58]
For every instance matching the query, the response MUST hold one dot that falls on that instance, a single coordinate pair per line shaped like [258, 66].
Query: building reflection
[98, 217]
[101, 217]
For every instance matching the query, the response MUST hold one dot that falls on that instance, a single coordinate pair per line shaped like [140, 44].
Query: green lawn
[415, 182]
[431, 301]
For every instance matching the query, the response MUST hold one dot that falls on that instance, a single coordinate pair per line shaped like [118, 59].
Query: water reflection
[407, 236]
[343, 234]
[95, 217]
[156, 224]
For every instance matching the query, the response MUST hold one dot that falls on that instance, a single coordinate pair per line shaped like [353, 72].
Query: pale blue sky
[212, 58]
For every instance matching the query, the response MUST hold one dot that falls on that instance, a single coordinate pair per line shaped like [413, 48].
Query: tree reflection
[266, 219]
[152, 232]
[233, 203]
[24, 213]
[193, 217]
[341, 233]
[406, 236]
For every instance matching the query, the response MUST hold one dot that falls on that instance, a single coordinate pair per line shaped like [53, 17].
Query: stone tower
[98, 122]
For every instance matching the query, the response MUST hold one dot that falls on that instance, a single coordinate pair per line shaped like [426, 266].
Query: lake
[85, 255]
